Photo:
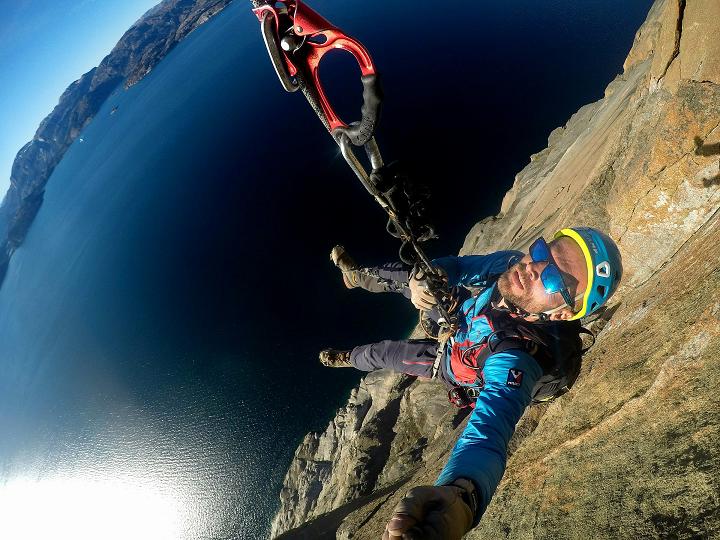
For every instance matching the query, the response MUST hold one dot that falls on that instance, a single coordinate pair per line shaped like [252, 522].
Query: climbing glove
[420, 295]
[434, 513]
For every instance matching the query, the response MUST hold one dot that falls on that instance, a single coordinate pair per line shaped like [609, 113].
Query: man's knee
[374, 356]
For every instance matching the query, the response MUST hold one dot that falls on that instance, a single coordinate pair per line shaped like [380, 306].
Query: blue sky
[44, 46]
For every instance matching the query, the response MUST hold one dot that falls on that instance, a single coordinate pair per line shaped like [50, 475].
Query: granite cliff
[139, 50]
[633, 450]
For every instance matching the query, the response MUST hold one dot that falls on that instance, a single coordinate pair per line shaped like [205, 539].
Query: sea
[159, 326]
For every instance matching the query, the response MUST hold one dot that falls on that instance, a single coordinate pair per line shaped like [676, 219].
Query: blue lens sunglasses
[551, 278]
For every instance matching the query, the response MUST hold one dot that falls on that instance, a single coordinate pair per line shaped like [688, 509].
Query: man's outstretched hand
[430, 513]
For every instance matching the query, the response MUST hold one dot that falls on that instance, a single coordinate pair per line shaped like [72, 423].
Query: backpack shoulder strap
[503, 340]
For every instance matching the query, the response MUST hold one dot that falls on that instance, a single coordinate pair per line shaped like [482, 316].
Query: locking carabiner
[297, 38]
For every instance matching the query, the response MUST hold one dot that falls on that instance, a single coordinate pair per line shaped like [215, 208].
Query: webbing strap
[440, 353]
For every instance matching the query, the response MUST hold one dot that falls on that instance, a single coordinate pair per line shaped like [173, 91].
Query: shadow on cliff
[603, 316]
[326, 525]
[384, 435]
[706, 150]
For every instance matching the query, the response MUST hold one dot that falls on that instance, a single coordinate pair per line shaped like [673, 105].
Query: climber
[565, 279]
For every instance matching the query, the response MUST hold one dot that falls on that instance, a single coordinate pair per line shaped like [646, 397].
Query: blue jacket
[509, 377]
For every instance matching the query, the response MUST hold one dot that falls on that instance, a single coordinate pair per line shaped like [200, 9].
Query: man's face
[521, 283]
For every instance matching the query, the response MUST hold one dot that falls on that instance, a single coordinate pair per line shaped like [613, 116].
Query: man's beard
[503, 284]
[525, 303]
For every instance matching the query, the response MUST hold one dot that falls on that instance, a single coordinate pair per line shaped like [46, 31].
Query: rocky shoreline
[139, 50]
[632, 450]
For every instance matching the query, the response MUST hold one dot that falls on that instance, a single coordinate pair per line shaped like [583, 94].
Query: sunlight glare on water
[80, 509]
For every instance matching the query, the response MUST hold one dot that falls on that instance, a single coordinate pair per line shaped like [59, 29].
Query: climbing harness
[556, 346]
[297, 38]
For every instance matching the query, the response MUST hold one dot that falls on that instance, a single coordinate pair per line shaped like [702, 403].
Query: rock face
[373, 441]
[633, 450]
[138, 51]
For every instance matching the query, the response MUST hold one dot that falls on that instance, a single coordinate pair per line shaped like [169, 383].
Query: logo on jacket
[515, 377]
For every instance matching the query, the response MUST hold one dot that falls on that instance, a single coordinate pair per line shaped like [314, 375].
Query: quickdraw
[297, 38]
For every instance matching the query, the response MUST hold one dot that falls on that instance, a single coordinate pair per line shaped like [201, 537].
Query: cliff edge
[632, 451]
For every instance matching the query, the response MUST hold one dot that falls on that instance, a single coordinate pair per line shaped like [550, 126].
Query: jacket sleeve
[481, 452]
[474, 270]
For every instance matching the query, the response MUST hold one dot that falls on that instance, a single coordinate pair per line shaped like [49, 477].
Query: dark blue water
[159, 327]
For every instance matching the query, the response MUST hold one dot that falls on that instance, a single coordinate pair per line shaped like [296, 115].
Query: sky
[44, 46]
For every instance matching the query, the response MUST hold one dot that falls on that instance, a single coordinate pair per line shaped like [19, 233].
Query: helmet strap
[498, 302]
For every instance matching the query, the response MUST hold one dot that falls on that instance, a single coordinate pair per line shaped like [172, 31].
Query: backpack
[556, 345]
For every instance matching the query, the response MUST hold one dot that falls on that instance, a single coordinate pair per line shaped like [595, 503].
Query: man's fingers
[430, 513]
[420, 296]
[398, 525]
[424, 300]
[427, 296]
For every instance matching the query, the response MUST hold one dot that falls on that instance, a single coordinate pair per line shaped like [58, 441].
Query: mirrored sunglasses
[551, 277]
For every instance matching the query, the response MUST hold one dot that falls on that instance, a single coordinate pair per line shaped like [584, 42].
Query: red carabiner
[316, 37]
[322, 37]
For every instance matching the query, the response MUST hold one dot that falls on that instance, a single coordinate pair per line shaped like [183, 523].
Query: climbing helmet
[604, 266]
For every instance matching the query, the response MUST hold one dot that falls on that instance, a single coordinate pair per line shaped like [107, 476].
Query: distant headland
[139, 50]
